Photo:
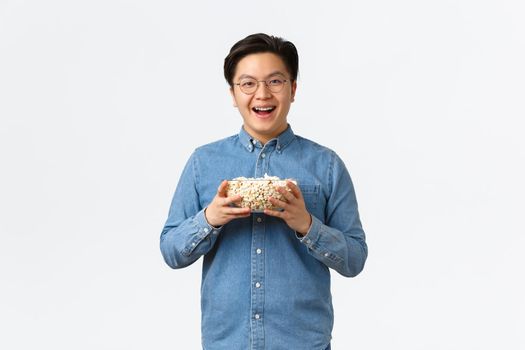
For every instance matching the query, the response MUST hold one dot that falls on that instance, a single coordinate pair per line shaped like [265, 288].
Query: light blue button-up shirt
[263, 286]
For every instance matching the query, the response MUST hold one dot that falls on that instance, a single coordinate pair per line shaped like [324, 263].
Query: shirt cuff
[312, 236]
[203, 224]
[203, 230]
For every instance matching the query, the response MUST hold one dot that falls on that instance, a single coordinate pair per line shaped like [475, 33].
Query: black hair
[259, 43]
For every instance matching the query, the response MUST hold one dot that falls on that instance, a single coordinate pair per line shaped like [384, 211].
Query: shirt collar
[251, 143]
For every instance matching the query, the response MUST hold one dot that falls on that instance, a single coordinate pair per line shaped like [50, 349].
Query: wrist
[210, 220]
[304, 230]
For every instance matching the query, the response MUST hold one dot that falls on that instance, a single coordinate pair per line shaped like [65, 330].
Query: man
[265, 278]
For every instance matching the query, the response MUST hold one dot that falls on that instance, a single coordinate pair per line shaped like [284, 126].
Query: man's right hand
[219, 211]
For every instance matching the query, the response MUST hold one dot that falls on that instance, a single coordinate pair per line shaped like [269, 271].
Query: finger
[278, 203]
[275, 213]
[222, 191]
[295, 189]
[286, 194]
[243, 215]
[237, 211]
[230, 200]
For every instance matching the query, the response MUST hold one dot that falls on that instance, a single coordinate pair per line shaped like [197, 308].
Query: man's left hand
[294, 214]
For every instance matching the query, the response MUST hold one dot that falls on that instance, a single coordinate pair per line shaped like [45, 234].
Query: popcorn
[255, 191]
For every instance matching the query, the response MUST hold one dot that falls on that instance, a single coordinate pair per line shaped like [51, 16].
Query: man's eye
[275, 82]
[247, 84]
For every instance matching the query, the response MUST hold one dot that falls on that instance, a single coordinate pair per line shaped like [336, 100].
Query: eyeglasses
[250, 85]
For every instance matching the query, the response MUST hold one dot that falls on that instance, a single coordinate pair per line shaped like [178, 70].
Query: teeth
[263, 109]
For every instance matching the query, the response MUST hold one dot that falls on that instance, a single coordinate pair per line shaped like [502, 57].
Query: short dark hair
[259, 43]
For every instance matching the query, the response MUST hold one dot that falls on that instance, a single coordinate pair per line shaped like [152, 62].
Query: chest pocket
[310, 194]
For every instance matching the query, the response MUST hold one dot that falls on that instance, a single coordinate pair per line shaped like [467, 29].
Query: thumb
[222, 191]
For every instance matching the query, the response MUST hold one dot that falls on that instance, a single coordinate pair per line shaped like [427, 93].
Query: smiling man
[264, 110]
[265, 276]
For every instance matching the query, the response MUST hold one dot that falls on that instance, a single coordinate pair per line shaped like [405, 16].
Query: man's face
[268, 123]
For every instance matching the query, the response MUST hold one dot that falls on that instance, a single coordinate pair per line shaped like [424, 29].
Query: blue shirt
[264, 286]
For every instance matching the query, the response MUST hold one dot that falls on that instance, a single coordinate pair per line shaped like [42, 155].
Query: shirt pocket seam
[310, 194]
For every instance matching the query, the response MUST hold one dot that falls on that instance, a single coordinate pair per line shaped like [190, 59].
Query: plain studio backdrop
[102, 102]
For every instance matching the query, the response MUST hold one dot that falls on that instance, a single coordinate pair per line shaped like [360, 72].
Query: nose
[262, 90]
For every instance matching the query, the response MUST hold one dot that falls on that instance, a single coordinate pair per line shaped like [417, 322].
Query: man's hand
[219, 211]
[295, 214]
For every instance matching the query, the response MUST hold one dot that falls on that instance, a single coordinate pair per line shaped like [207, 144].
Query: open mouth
[263, 111]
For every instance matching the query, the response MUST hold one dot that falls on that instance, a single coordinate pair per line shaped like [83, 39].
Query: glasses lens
[248, 85]
[275, 84]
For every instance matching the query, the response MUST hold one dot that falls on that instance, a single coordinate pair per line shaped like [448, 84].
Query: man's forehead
[274, 73]
[261, 65]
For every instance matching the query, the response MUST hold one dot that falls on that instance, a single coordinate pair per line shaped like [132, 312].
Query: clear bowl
[255, 193]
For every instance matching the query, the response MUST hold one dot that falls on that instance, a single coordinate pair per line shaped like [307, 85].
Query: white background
[102, 102]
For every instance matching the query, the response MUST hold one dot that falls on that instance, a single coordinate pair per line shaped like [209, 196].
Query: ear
[294, 87]
[233, 97]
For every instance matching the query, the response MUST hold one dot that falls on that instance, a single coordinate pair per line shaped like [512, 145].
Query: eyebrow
[269, 75]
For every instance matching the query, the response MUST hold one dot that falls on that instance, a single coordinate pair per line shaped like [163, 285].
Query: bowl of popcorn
[255, 191]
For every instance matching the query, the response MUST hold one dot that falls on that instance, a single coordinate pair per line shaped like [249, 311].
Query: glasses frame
[266, 85]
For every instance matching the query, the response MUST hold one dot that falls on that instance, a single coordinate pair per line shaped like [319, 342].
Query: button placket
[257, 278]
[258, 265]
[263, 158]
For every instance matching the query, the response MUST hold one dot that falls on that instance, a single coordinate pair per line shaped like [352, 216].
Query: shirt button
[263, 155]
[308, 241]
[259, 220]
[326, 254]
[257, 316]
[193, 244]
[257, 285]
[259, 251]
[206, 229]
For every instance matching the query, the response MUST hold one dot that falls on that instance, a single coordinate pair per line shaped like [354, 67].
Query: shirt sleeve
[339, 242]
[187, 235]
